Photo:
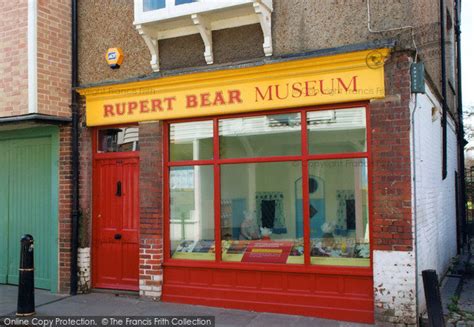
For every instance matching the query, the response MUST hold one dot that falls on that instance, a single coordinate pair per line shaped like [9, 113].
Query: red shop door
[115, 224]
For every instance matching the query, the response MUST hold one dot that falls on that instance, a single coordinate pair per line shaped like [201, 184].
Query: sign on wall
[323, 80]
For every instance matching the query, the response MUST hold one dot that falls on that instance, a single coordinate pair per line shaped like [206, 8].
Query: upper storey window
[165, 19]
[149, 5]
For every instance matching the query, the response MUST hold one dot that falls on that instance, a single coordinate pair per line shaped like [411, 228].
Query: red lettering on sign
[132, 106]
[277, 91]
[120, 109]
[191, 101]
[108, 110]
[144, 106]
[347, 87]
[297, 90]
[263, 97]
[169, 101]
[310, 90]
[219, 99]
[205, 102]
[156, 105]
[234, 96]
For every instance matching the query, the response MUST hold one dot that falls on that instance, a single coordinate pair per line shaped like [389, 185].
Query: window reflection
[153, 4]
[118, 140]
[181, 2]
[337, 131]
[259, 218]
[191, 141]
[192, 212]
[340, 235]
[272, 135]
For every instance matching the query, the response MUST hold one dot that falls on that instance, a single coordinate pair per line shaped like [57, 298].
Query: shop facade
[270, 155]
[251, 188]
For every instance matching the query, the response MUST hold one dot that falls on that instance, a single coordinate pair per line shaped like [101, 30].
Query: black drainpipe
[444, 122]
[462, 182]
[75, 150]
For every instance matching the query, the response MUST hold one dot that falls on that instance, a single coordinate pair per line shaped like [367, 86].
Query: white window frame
[202, 16]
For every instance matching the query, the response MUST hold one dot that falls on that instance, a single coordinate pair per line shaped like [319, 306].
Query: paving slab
[9, 296]
[466, 300]
[99, 304]
[448, 291]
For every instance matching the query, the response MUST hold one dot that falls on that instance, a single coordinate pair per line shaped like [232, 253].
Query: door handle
[119, 189]
[118, 236]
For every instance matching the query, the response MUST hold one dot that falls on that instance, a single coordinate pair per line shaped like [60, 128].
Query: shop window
[191, 141]
[258, 222]
[258, 136]
[123, 139]
[191, 212]
[271, 193]
[343, 234]
[337, 131]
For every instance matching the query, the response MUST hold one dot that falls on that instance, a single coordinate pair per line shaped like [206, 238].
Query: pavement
[100, 304]
[457, 295]
[457, 291]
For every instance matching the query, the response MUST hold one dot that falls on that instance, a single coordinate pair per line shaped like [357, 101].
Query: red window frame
[304, 158]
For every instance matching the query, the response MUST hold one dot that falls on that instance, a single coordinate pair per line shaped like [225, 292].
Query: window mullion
[305, 177]
[217, 192]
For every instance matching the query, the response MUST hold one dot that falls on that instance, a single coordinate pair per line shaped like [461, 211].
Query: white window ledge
[203, 17]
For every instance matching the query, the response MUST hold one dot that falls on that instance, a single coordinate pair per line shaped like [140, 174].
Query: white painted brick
[435, 198]
[394, 287]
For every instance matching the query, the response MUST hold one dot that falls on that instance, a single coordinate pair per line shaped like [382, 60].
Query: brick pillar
[393, 257]
[151, 218]
[65, 202]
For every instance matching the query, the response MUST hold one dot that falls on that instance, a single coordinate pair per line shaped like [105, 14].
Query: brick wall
[85, 178]
[391, 181]
[151, 219]
[13, 58]
[435, 198]
[392, 237]
[65, 201]
[54, 57]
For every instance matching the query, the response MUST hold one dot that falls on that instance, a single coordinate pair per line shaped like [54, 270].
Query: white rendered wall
[394, 287]
[435, 198]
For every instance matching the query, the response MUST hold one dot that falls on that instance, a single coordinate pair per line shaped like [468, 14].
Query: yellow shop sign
[298, 83]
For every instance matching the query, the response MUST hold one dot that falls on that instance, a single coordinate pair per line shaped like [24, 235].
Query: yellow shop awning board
[355, 76]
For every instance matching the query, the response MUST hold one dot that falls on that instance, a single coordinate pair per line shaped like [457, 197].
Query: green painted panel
[3, 210]
[29, 202]
[30, 205]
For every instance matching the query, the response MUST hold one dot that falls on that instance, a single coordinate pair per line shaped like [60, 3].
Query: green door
[4, 171]
[28, 203]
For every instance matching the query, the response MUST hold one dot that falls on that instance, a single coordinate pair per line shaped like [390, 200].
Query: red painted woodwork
[341, 293]
[331, 296]
[115, 260]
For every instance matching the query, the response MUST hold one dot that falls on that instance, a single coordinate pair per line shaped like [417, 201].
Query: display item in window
[249, 229]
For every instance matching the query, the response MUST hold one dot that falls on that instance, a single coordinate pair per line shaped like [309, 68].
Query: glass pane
[191, 141]
[123, 139]
[336, 131]
[260, 136]
[192, 212]
[153, 4]
[180, 2]
[260, 219]
[339, 212]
